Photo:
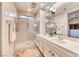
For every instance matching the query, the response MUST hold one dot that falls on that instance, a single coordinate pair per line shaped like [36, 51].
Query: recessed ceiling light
[41, 4]
[54, 10]
[29, 9]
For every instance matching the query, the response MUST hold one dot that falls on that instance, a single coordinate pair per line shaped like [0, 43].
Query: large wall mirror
[73, 23]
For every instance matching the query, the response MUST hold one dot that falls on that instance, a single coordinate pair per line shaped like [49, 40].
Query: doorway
[11, 47]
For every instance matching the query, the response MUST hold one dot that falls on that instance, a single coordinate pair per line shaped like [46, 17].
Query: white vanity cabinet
[50, 49]
[55, 50]
[39, 43]
[58, 50]
[48, 52]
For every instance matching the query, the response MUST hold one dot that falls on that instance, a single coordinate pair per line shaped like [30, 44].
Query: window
[26, 17]
[10, 14]
[30, 17]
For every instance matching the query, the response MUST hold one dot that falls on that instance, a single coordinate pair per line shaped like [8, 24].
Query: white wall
[62, 20]
[0, 29]
[6, 48]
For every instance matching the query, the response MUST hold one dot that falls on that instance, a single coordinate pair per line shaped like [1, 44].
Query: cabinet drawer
[48, 52]
[39, 43]
[38, 40]
[62, 51]
[57, 49]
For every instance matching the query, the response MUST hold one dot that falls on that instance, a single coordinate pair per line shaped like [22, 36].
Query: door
[10, 31]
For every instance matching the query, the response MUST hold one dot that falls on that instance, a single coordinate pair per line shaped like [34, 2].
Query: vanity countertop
[65, 43]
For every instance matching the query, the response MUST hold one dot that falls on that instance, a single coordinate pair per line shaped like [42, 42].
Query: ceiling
[34, 6]
[67, 6]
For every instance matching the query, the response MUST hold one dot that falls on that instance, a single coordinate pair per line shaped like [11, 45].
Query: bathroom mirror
[50, 25]
[73, 23]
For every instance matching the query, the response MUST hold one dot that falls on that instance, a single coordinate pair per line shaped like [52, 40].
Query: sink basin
[59, 40]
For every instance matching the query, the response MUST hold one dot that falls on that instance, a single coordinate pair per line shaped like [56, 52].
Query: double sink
[60, 40]
[57, 39]
[64, 42]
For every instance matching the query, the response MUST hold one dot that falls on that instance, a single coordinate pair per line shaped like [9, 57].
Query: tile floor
[31, 51]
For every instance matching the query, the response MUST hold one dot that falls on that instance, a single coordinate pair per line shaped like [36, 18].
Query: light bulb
[54, 10]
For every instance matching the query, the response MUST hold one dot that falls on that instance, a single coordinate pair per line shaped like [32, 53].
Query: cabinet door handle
[51, 53]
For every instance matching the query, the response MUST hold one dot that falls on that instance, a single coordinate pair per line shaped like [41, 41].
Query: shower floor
[27, 50]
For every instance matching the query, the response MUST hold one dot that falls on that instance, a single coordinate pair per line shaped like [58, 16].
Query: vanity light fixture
[54, 10]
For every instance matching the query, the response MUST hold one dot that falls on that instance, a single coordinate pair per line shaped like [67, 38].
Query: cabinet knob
[49, 51]
[52, 54]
